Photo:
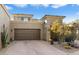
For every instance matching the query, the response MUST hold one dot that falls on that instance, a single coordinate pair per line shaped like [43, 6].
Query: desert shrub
[62, 33]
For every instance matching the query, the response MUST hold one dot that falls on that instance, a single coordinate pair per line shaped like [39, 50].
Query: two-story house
[24, 27]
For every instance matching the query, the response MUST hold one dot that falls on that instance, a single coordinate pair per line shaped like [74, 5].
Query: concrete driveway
[31, 47]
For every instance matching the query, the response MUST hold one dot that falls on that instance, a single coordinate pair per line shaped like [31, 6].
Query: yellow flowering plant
[62, 31]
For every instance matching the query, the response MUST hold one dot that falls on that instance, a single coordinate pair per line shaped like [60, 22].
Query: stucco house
[4, 22]
[25, 27]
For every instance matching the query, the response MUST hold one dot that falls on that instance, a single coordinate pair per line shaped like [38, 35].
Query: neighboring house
[25, 27]
[4, 22]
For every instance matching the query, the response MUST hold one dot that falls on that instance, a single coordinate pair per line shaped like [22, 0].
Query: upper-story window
[24, 19]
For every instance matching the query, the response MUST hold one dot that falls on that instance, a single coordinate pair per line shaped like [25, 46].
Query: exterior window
[22, 18]
[26, 19]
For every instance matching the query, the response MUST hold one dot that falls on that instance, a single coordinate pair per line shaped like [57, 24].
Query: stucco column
[48, 34]
[77, 33]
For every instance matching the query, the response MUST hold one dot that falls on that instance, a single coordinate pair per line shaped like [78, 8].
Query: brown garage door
[27, 34]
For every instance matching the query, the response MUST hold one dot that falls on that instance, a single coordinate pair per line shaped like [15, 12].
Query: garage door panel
[27, 34]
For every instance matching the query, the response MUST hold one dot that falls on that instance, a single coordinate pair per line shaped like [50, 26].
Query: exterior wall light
[45, 21]
[12, 19]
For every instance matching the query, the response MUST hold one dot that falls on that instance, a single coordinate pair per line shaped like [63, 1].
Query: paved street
[31, 47]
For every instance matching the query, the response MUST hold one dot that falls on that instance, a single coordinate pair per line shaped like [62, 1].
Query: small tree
[56, 30]
[69, 34]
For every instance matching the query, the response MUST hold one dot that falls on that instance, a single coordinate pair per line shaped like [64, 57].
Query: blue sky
[71, 11]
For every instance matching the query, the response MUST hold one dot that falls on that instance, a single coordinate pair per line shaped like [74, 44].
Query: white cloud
[38, 5]
[20, 5]
[58, 5]
[8, 7]
[40, 1]
[47, 5]
[77, 4]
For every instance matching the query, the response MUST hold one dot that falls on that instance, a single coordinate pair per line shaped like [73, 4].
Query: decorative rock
[67, 47]
[55, 42]
[76, 43]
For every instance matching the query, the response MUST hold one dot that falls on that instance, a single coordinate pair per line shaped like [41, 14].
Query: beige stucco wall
[4, 19]
[50, 20]
[26, 25]
[35, 24]
[17, 16]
